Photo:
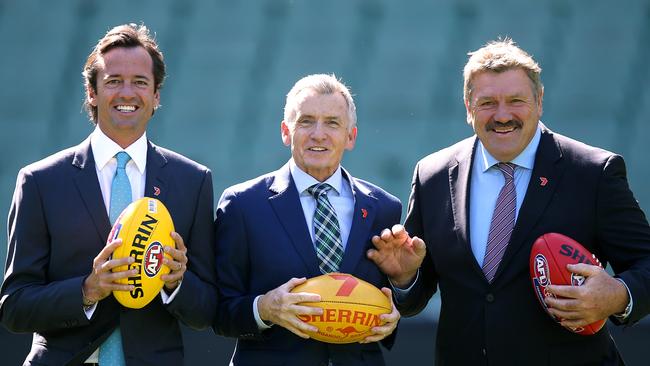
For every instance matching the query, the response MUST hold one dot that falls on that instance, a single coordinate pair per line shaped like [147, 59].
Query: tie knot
[319, 189]
[508, 170]
[122, 158]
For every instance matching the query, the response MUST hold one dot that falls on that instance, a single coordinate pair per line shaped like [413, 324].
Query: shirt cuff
[261, 324]
[628, 309]
[90, 310]
[166, 299]
[400, 294]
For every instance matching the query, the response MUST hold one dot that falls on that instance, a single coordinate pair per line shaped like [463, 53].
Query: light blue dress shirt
[486, 183]
[340, 197]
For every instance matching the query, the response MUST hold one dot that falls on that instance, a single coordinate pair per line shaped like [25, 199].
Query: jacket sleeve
[624, 235]
[30, 301]
[235, 310]
[418, 297]
[196, 302]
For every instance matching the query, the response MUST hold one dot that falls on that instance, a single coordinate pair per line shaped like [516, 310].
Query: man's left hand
[391, 319]
[177, 265]
[600, 296]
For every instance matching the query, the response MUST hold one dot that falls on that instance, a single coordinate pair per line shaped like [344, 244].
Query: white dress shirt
[104, 150]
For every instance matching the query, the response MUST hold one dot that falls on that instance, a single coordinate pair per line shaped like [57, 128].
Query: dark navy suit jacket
[586, 197]
[58, 224]
[263, 241]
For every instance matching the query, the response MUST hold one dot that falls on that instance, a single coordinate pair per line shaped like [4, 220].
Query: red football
[548, 260]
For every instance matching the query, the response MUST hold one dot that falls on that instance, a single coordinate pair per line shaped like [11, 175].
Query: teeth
[125, 108]
[504, 131]
[317, 148]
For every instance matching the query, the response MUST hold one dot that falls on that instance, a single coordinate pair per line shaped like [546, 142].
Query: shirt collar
[104, 149]
[304, 180]
[526, 159]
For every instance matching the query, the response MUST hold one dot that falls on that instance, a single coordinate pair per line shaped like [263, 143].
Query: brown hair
[127, 36]
[499, 56]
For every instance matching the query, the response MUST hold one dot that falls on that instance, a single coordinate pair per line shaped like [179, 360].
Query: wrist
[622, 315]
[261, 310]
[86, 300]
[403, 281]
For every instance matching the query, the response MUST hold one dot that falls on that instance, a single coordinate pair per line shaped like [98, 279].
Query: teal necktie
[327, 233]
[110, 352]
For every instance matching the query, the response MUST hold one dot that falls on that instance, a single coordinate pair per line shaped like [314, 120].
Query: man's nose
[127, 90]
[502, 113]
[318, 131]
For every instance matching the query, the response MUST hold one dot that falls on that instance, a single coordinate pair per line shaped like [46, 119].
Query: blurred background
[230, 64]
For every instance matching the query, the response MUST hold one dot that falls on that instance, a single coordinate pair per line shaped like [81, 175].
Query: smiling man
[308, 218]
[59, 275]
[480, 204]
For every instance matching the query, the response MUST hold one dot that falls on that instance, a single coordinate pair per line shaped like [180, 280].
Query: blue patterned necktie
[327, 234]
[503, 222]
[110, 352]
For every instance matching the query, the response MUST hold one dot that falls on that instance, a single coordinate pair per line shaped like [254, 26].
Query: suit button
[489, 298]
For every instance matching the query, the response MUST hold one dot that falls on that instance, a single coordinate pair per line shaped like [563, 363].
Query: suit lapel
[286, 204]
[459, 185]
[155, 185]
[544, 180]
[88, 186]
[362, 218]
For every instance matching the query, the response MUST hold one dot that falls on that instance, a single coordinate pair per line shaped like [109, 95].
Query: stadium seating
[231, 63]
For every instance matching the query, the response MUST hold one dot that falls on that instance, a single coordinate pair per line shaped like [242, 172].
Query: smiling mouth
[503, 128]
[317, 149]
[126, 108]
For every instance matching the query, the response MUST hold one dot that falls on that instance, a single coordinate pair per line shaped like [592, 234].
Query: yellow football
[351, 307]
[144, 227]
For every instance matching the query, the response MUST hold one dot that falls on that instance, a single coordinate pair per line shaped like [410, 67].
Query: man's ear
[285, 131]
[156, 99]
[469, 112]
[91, 96]
[352, 138]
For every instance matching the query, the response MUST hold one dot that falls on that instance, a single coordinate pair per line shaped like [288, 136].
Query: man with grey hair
[480, 204]
[270, 237]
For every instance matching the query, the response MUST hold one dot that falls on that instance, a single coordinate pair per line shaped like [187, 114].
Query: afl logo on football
[541, 270]
[153, 259]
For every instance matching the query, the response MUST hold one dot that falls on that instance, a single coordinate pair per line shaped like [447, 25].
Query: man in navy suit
[58, 280]
[267, 237]
[490, 314]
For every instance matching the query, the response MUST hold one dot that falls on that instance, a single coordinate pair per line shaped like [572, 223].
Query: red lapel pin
[543, 181]
[156, 191]
[364, 213]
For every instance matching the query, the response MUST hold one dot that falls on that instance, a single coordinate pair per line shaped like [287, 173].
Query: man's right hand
[398, 255]
[280, 306]
[101, 281]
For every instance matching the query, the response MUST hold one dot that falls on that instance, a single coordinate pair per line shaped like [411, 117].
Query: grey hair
[321, 84]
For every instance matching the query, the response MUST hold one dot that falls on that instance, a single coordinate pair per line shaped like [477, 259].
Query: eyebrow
[508, 96]
[120, 75]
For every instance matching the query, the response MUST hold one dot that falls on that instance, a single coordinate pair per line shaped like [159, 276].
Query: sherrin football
[351, 307]
[548, 260]
[144, 227]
